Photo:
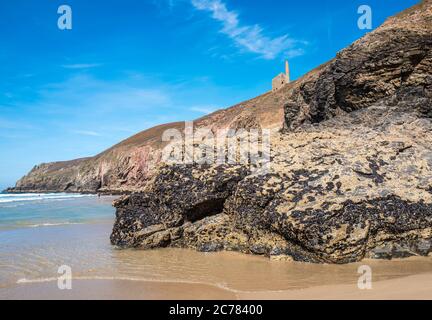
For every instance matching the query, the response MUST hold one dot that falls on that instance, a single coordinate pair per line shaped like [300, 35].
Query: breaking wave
[8, 198]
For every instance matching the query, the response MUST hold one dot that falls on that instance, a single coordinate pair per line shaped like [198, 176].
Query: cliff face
[350, 175]
[128, 165]
[391, 64]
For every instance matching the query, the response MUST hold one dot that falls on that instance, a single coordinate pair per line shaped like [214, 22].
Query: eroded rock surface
[350, 176]
[334, 194]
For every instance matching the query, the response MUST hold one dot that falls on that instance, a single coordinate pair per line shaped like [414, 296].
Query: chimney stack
[287, 71]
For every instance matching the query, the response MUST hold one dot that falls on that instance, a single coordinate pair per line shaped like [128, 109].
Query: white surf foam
[223, 286]
[52, 224]
[8, 198]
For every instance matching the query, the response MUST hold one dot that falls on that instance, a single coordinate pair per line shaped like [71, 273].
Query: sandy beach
[32, 252]
[417, 287]
[117, 290]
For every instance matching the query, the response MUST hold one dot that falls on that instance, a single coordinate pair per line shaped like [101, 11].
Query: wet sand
[117, 290]
[417, 287]
[30, 259]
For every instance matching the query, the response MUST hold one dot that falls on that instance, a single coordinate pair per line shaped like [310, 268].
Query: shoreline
[414, 287]
[118, 289]
[12, 190]
[31, 257]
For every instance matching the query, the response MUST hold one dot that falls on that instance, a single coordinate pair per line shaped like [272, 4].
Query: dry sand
[417, 287]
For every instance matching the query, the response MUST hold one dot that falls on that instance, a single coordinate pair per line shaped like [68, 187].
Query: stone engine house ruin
[282, 79]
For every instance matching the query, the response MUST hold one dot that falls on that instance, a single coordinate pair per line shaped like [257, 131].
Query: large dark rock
[203, 191]
[350, 176]
[334, 194]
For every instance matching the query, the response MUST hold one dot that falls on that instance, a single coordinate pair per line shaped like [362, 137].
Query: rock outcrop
[391, 64]
[350, 174]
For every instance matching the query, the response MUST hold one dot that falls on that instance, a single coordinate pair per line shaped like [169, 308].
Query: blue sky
[131, 64]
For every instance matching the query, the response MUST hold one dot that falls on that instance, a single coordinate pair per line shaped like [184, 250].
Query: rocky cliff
[350, 175]
[128, 165]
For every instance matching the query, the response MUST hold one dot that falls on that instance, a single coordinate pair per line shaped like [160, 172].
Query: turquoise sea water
[40, 232]
[43, 210]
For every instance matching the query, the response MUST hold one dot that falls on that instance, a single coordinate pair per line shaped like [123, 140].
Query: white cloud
[205, 110]
[248, 37]
[14, 125]
[81, 66]
[87, 106]
[87, 133]
[99, 96]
